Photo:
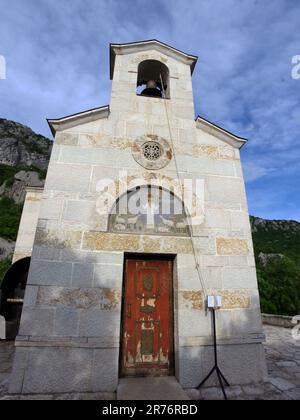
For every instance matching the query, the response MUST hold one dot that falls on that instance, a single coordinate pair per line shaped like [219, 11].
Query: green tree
[279, 284]
[10, 215]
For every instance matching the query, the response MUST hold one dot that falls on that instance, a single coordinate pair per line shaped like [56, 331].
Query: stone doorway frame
[174, 299]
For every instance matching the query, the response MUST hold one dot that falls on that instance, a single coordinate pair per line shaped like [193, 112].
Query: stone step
[150, 389]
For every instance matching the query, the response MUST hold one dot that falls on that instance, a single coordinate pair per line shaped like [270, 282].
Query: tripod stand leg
[207, 377]
[224, 379]
[221, 383]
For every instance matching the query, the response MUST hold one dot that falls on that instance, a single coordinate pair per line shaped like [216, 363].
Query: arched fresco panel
[149, 211]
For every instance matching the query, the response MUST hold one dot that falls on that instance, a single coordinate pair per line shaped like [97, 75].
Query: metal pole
[216, 368]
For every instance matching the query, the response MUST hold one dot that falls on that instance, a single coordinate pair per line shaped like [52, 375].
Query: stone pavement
[7, 351]
[150, 389]
[283, 358]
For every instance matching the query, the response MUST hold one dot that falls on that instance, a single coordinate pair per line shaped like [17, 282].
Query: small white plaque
[214, 302]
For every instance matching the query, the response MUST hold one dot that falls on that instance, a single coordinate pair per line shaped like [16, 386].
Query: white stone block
[69, 178]
[239, 278]
[79, 211]
[224, 190]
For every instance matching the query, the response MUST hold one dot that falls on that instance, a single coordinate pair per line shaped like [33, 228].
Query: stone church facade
[114, 292]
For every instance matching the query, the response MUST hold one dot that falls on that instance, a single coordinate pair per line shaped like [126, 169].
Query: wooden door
[147, 336]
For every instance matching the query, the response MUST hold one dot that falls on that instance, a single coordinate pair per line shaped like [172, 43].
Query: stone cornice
[142, 46]
[84, 117]
[220, 133]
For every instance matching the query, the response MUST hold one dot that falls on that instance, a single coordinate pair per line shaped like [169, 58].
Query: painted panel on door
[147, 347]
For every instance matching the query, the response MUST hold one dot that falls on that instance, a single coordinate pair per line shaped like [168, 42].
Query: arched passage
[12, 296]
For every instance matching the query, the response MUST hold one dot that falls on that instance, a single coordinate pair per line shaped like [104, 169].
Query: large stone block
[240, 221]
[217, 218]
[73, 178]
[100, 323]
[37, 321]
[224, 191]
[189, 279]
[105, 376]
[50, 273]
[110, 242]
[185, 261]
[79, 211]
[191, 299]
[66, 139]
[45, 253]
[31, 295]
[204, 245]
[88, 299]
[213, 261]
[18, 371]
[108, 276]
[237, 261]
[193, 323]
[55, 370]
[204, 166]
[235, 299]
[66, 322]
[51, 208]
[177, 245]
[118, 158]
[115, 258]
[190, 367]
[58, 239]
[83, 275]
[232, 246]
[239, 322]
[239, 278]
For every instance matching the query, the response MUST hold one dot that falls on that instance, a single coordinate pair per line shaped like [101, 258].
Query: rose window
[152, 151]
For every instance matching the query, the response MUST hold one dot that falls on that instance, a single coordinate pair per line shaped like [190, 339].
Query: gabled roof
[131, 47]
[76, 119]
[220, 133]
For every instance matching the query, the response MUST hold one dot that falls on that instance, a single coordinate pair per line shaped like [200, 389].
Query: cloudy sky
[57, 64]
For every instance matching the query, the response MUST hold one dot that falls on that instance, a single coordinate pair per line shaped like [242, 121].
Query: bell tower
[142, 73]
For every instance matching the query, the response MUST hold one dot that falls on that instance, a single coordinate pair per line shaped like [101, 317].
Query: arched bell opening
[153, 79]
[12, 296]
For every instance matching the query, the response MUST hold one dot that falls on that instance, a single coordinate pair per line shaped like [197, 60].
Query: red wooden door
[147, 337]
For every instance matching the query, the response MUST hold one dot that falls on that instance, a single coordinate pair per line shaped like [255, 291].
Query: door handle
[129, 306]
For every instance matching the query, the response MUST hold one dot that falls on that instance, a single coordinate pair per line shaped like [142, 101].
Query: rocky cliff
[24, 157]
[19, 145]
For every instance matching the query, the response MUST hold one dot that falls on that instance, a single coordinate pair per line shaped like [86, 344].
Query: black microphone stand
[216, 368]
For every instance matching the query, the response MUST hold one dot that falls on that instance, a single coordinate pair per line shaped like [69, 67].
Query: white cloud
[253, 172]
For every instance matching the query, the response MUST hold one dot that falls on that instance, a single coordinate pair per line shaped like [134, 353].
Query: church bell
[152, 89]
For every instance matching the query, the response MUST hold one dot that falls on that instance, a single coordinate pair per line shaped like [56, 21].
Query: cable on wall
[187, 215]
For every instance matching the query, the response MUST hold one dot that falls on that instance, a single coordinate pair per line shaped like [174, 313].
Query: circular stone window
[152, 152]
